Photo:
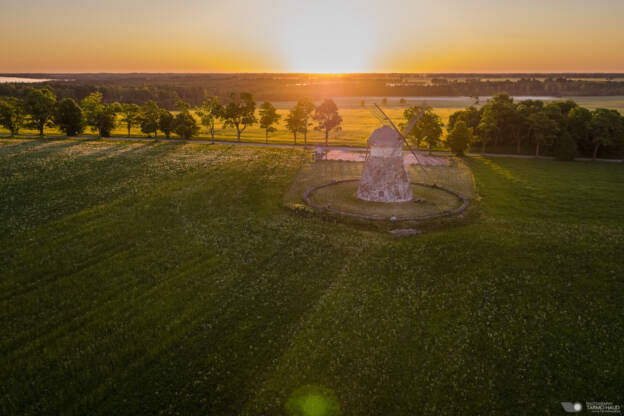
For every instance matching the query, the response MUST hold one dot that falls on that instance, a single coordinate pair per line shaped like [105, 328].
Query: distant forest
[167, 89]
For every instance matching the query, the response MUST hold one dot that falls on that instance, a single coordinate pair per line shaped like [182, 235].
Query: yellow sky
[311, 36]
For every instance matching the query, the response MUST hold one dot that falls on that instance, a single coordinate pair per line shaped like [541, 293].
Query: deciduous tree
[12, 114]
[90, 107]
[607, 129]
[523, 125]
[565, 106]
[471, 116]
[295, 121]
[556, 114]
[428, 128]
[268, 117]
[101, 117]
[327, 118]
[185, 125]
[579, 126]
[130, 115]
[39, 105]
[240, 113]
[209, 112]
[182, 105]
[500, 115]
[543, 129]
[488, 129]
[69, 117]
[459, 138]
[150, 117]
[166, 122]
[307, 109]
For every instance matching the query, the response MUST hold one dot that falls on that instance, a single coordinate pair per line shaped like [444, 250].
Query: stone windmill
[384, 178]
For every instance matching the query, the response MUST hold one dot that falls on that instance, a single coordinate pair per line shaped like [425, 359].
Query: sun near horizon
[325, 37]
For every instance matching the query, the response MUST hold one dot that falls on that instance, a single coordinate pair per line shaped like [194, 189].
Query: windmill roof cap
[385, 136]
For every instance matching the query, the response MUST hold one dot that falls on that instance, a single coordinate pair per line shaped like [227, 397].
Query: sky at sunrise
[311, 36]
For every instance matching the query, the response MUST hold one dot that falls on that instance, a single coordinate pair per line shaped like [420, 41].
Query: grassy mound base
[428, 202]
[456, 177]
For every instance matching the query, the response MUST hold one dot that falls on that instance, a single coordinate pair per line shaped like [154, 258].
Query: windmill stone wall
[384, 178]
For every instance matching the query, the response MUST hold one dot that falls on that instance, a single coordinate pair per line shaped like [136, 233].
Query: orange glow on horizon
[324, 37]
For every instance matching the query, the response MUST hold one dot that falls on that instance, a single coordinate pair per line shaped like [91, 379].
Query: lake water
[4, 80]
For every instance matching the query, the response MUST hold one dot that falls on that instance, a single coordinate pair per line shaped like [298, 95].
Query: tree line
[563, 127]
[39, 109]
[167, 89]
[551, 86]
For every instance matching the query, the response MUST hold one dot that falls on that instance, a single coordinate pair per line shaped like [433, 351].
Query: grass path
[166, 278]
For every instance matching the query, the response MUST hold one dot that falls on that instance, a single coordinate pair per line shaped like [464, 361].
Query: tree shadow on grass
[116, 150]
[45, 211]
[43, 186]
[38, 145]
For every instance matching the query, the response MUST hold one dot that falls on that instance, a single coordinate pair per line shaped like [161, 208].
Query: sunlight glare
[340, 42]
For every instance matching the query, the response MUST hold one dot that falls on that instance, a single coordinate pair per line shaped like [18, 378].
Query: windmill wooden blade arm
[410, 125]
[379, 115]
[412, 122]
[376, 114]
[387, 119]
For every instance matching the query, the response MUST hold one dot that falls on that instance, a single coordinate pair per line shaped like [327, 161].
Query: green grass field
[165, 278]
[358, 123]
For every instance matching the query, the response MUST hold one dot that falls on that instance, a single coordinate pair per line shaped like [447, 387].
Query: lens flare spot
[313, 401]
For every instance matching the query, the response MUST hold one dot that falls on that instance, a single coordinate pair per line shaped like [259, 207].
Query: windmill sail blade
[387, 119]
[410, 125]
[412, 122]
[379, 115]
[375, 112]
[416, 153]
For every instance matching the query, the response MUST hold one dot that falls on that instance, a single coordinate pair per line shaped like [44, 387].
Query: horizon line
[317, 73]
